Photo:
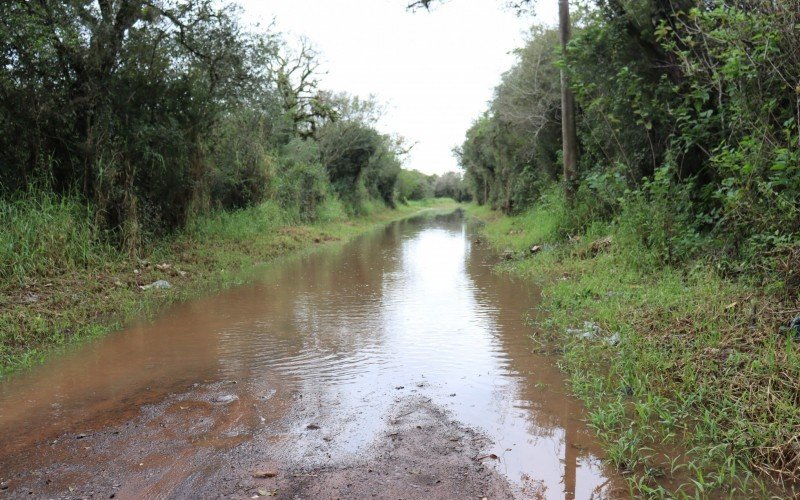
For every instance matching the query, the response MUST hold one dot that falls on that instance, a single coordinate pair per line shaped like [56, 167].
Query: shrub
[302, 182]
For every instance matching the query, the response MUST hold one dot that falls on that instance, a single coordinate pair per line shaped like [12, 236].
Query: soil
[205, 443]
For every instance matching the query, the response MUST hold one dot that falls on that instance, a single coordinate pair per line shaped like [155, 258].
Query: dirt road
[398, 366]
[204, 443]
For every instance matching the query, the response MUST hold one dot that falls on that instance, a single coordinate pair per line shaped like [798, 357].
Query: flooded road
[397, 365]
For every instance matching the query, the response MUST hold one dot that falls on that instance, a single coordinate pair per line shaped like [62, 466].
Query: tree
[361, 162]
[414, 185]
[121, 101]
[296, 77]
[569, 135]
[451, 185]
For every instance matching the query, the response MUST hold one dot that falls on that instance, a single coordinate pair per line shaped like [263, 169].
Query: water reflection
[414, 308]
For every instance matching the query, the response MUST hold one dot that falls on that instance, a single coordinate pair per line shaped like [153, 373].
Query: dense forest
[139, 116]
[687, 123]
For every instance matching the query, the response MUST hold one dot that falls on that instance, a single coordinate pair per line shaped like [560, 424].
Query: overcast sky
[435, 70]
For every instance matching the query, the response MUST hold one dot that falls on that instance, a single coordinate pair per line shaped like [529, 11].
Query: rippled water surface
[414, 308]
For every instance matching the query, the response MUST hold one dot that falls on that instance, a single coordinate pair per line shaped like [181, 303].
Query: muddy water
[335, 339]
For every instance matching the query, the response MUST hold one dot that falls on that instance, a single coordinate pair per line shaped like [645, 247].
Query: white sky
[435, 71]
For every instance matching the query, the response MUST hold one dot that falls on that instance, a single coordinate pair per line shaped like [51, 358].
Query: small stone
[31, 298]
[263, 474]
[159, 285]
[312, 427]
[225, 399]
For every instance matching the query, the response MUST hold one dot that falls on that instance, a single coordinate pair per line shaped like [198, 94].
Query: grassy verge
[61, 284]
[691, 382]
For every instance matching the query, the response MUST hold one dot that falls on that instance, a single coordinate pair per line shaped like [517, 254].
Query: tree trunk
[569, 135]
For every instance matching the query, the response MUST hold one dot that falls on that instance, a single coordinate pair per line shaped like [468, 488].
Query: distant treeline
[155, 111]
[687, 115]
[414, 185]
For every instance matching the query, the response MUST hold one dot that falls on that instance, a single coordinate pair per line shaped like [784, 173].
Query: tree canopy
[155, 110]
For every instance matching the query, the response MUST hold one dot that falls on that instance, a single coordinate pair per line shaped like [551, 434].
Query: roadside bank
[691, 380]
[55, 303]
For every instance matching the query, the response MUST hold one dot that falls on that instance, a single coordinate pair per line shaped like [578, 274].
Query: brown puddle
[326, 354]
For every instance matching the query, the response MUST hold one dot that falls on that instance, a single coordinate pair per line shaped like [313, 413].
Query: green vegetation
[414, 185]
[153, 113]
[689, 378]
[681, 247]
[143, 140]
[687, 118]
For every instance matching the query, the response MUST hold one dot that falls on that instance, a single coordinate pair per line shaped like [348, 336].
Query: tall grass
[43, 234]
[239, 225]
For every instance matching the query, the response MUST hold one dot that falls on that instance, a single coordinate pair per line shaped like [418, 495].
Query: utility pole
[569, 135]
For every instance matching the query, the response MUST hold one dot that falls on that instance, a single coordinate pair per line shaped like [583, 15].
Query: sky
[434, 71]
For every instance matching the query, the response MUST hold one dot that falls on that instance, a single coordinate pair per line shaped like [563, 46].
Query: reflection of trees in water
[553, 413]
[311, 303]
[308, 303]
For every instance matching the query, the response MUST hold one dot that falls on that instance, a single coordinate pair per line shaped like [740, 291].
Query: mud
[396, 367]
[191, 446]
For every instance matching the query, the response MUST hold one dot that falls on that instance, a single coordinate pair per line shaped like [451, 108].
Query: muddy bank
[199, 445]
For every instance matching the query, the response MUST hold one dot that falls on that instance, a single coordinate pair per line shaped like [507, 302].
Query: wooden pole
[569, 135]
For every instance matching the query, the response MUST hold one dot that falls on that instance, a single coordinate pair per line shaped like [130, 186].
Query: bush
[688, 130]
[658, 224]
[413, 185]
[302, 182]
[243, 168]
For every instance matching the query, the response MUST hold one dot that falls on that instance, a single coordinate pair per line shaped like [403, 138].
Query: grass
[692, 384]
[60, 284]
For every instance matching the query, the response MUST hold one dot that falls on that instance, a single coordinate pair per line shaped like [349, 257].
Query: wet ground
[397, 366]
